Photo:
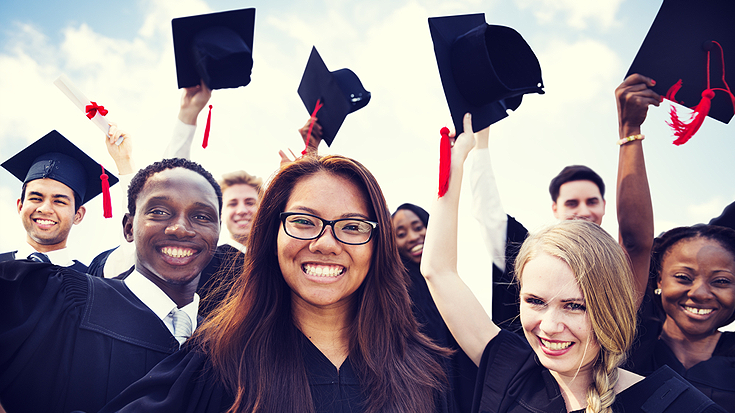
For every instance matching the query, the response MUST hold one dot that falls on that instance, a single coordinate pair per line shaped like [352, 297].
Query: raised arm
[464, 315]
[486, 206]
[634, 207]
[193, 100]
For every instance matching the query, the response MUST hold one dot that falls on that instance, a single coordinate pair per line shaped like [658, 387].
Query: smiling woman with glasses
[319, 321]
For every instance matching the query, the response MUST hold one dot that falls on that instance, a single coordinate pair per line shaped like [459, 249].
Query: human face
[239, 204]
[697, 283]
[579, 200]
[410, 234]
[554, 317]
[47, 212]
[175, 229]
[324, 272]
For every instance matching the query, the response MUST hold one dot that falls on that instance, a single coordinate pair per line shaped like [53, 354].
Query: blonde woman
[578, 313]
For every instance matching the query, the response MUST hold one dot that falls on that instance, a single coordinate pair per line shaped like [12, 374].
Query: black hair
[661, 246]
[420, 212]
[575, 173]
[139, 180]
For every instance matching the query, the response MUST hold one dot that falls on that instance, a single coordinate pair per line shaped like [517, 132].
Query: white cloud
[578, 14]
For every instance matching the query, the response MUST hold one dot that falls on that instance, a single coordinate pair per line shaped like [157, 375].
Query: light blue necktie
[182, 325]
[39, 257]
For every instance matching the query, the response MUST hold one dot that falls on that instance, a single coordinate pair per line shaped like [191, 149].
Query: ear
[19, 204]
[80, 214]
[555, 209]
[127, 223]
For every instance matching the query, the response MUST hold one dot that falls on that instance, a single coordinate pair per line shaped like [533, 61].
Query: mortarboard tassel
[684, 130]
[311, 125]
[445, 161]
[205, 142]
[106, 199]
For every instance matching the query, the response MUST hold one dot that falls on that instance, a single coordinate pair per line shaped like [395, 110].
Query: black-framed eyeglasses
[349, 231]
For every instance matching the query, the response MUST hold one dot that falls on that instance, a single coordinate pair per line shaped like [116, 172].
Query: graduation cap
[55, 157]
[485, 69]
[686, 50]
[215, 47]
[339, 93]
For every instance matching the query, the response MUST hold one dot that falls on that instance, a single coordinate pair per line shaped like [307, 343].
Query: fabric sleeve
[180, 383]
[181, 140]
[39, 303]
[486, 205]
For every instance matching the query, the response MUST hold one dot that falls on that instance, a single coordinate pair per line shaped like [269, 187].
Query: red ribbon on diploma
[94, 108]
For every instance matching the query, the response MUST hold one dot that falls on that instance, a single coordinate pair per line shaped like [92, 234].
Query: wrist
[188, 118]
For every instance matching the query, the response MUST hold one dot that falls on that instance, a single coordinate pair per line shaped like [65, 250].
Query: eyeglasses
[349, 231]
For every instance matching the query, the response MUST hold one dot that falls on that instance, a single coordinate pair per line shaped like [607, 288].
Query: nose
[326, 243]
[44, 207]
[413, 236]
[551, 322]
[179, 228]
[700, 290]
[583, 211]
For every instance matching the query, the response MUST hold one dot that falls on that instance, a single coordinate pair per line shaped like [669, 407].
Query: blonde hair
[241, 178]
[604, 275]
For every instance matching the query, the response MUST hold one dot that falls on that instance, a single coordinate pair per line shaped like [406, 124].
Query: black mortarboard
[485, 69]
[215, 47]
[55, 157]
[676, 48]
[340, 92]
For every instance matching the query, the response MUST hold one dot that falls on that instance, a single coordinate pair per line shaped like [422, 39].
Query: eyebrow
[565, 300]
[52, 195]
[346, 215]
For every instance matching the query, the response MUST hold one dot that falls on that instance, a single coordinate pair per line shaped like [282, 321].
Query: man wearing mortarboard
[58, 179]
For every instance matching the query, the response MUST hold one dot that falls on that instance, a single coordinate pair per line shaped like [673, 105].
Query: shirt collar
[235, 244]
[155, 299]
[58, 257]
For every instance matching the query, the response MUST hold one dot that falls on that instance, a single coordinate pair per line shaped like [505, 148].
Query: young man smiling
[72, 341]
[58, 179]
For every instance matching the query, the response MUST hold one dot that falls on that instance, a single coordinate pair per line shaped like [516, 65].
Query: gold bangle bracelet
[631, 138]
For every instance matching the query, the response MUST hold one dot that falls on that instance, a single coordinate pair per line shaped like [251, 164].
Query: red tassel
[205, 142]
[671, 93]
[684, 130]
[311, 125]
[106, 199]
[445, 161]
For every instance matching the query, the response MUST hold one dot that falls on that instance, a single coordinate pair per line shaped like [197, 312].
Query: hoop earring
[657, 291]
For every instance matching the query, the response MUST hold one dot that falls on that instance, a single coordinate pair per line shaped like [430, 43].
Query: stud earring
[657, 291]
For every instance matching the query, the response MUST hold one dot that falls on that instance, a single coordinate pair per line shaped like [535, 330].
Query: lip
[417, 249]
[324, 273]
[554, 352]
[695, 312]
[47, 224]
[178, 255]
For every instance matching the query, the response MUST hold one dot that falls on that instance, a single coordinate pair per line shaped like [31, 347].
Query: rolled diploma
[81, 101]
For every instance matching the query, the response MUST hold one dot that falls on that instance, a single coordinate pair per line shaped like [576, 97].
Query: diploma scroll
[81, 101]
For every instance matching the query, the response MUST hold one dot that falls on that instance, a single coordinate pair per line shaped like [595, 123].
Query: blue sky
[121, 53]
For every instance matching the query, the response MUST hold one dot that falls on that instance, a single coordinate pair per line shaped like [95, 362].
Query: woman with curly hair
[319, 321]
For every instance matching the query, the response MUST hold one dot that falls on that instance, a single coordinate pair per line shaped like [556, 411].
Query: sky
[120, 54]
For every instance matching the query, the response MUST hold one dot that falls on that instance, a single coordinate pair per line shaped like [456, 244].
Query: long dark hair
[662, 245]
[253, 343]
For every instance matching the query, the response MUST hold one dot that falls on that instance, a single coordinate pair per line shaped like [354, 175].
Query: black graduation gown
[512, 380]
[186, 382]
[70, 341]
[714, 377]
[460, 370]
[506, 304]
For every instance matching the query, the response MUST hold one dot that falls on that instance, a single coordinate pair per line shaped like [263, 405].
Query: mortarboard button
[680, 53]
[485, 69]
[215, 47]
[55, 157]
[340, 92]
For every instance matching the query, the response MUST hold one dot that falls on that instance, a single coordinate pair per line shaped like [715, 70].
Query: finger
[467, 123]
[638, 78]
